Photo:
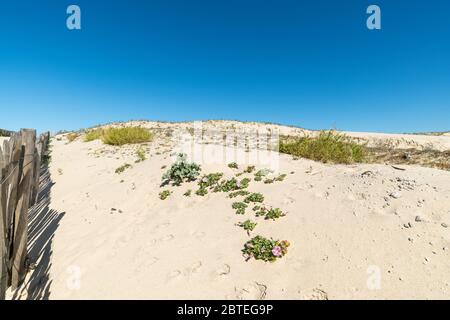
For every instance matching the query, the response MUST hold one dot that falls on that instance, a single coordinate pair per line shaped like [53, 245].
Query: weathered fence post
[4, 252]
[20, 161]
[21, 216]
[12, 153]
[41, 149]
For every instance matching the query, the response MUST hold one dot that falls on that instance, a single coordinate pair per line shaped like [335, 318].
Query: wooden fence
[20, 161]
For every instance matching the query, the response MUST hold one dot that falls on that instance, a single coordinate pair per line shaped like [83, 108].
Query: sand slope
[115, 239]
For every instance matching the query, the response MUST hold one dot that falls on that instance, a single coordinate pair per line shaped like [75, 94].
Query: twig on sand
[398, 168]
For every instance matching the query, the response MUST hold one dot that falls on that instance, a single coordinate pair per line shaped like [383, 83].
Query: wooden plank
[21, 212]
[4, 256]
[4, 199]
[41, 149]
[17, 151]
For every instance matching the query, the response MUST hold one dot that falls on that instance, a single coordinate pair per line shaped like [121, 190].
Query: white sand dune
[115, 239]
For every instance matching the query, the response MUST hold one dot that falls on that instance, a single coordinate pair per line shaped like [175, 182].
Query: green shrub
[248, 225]
[72, 136]
[163, 195]
[201, 192]
[244, 183]
[328, 146]
[239, 207]
[254, 197]
[210, 180]
[227, 185]
[92, 135]
[238, 193]
[249, 169]
[233, 165]
[265, 249]
[140, 153]
[128, 135]
[260, 211]
[274, 214]
[123, 168]
[187, 193]
[181, 171]
[263, 172]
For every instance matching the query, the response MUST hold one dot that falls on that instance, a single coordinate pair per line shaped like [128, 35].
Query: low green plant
[247, 225]
[328, 146]
[233, 165]
[261, 248]
[267, 181]
[244, 183]
[249, 169]
[181, 171]
[122, 168]
[274, 214]
[262, 173]
[260, 211]
[238, 193]
[254, 197]
[227, 185]
[210, 180]
[163, 195]
[239, 207]
[140, 153]
[187, 193]
[281, 177]
[201, 192]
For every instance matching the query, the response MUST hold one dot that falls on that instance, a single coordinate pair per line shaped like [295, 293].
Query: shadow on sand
[42, 224]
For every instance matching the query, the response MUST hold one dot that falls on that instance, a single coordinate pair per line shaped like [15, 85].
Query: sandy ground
[356, 232]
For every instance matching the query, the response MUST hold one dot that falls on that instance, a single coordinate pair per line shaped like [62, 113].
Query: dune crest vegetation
[120, 136]
[328, 146]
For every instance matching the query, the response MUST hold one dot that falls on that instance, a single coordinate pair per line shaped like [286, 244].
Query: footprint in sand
[162, 225]
[176, 274]
[313, 294]
[163, 239]
[146, 264]
[173, 275]
[222, 272]
[254, 291]
[193, 268]
[288, 200]
[198, 234]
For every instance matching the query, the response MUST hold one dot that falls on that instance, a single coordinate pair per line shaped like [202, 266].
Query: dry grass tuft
[120, 136]
[328, 146]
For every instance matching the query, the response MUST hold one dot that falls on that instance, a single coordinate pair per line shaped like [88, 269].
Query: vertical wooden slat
[20, 215]
[9, 180]
[41, 149]
[17, 152]
[4, 254]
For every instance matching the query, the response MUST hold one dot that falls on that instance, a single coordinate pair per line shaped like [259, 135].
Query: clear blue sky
[311, 63]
